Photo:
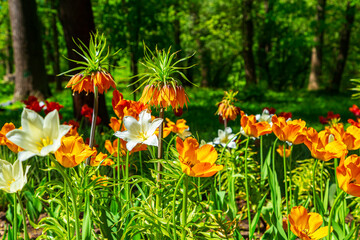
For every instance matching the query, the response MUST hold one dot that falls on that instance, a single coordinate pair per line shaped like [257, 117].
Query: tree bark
[316, 53]
[248, 33]
[265, 42]
[55, 37]
[30, 73]
[78, 22]
[344, 46]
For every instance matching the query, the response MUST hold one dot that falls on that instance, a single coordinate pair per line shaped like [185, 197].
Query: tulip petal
[25, 155]
[153, 126]
[23, 139]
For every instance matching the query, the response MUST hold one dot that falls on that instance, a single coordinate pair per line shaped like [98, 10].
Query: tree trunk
[265, 42]
[9, 53]
[56, 63]
[248, 33]
[316, 55]
[344, 46]
[78, 22]
[30, 74]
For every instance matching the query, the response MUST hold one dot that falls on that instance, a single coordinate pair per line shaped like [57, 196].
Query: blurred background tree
[275, 44]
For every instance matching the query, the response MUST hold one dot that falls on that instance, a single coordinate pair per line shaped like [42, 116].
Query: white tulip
[12, 177]
[142, 131]
[226, 137]
[38, 136]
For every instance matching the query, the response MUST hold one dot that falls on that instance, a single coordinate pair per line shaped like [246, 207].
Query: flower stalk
[160, 156]
[26, 236]
[247, 183]
[93, 122]
[184, 208]
[73, 197]
[286, 190]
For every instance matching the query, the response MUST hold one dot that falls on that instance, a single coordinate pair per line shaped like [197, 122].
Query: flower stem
[247, 183]
[338, 198]
[290, 177]
[118, 165]
[184, 208]
[127, 190]
[286, 189]
[261, 161]
[173, 207]
[26, 236]
[73, 198]
[93, 122]
[15, 218]
[159, 156]
[321, 182]
[67, 211]
[314, 184]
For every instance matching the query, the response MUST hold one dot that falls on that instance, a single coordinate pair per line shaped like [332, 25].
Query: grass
[200, 114]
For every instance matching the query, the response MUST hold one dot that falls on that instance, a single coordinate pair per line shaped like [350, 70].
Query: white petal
[216, 140]
[123, 135]
[152, 141]
[221, 133]
[232, 137]
[25, 155]
[50, 148]
[232, 145]
[63, 130]
[51, 125]
[131, 144]
[153, 126]
[144, 117]
[228, 130]
[132, 125]
[23, 139]
[32, 123]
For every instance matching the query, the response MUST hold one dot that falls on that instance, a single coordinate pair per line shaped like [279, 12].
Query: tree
[78, 22]
[265, 41]
[248, 33]
[316, 53]
[30, 74]
[344, 46]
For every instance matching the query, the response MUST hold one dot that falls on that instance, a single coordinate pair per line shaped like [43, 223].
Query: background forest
[276, 44]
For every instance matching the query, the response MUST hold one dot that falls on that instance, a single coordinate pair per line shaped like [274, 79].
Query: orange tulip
[291, 131]
[306, 225]
[324, 145]
[95, 161]
[164, 96]
[280, 150]
[195, 161]
[115, 124]
[348, 175]
[4, 141]
[180, 128]
[112, 148]
[124, 107]
[253, 128]
[73, 151]
[351, 138]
